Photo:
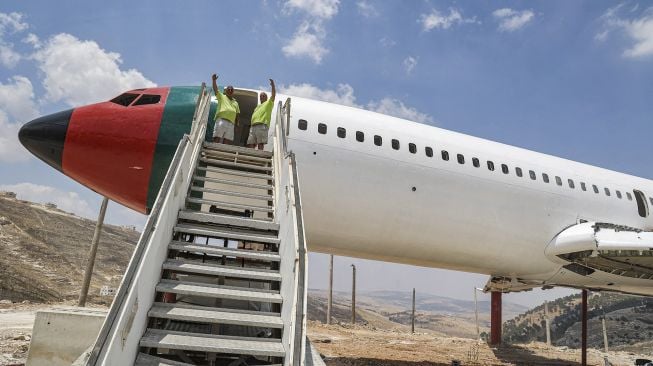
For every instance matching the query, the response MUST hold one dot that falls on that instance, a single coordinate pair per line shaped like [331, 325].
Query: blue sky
[572, 79]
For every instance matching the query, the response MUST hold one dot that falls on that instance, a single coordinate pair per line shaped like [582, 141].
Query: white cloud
[80, 72]
[409, 64]
[33, 40]
[307, 42]
[323, 9]
[11, 150]
[397, 108]
[66, 201]
[435, 19]
[17, 106]
[344, 94]
[10, 23]
[387, 42]
[511, 20]
[639, 30]
[366, 9]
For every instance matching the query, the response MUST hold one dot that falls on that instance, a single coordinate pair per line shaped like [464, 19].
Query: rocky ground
[347, 345]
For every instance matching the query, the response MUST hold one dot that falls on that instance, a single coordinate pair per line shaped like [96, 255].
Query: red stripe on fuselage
[109, 148]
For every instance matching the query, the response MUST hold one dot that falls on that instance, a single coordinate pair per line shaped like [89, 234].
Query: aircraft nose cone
[45, 137]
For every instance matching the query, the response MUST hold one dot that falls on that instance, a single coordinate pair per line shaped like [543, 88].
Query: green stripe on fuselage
[175, 122]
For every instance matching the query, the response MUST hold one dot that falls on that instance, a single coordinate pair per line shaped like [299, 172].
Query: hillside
[629, 321]
[43, 253]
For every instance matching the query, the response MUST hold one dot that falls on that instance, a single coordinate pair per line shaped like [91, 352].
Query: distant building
[107, 291]
[129, 227]
[8, 194]
[50, 205]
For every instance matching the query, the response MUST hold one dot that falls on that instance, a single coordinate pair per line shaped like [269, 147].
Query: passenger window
[445, 155]
[518, 172]
[148, 99]
[545, 177]
[322, 128]
[395, 144]
[303, 124]
[571, 183]
[124, 99]
[504, 169]
[618, 194]
[642, 207]
[412, 148]
[429, 152]
[360, 137]
[461, 159]
[629, 196]
[607, 191]
[378, 141]
[558, 181]
[490, 165]
[595, 188]
[583, 186]
[532, 174]
[475, 162]
[341, 132]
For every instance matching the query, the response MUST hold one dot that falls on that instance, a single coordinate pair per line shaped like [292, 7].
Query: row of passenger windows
[460, 158]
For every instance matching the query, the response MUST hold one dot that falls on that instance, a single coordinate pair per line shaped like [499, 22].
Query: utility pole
[412, 327]
[88, 272]
[605, 332]
[478, 331]
[583, 341]
[548, 323]
[330, 293]
[353, 294]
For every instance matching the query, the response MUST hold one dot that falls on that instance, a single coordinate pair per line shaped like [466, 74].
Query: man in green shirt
[226, 116]
[258, 133]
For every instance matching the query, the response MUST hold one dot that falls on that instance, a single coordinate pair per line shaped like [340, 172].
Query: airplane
[384, 188]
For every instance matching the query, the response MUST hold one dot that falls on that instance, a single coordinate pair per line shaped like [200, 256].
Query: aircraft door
[642, 205]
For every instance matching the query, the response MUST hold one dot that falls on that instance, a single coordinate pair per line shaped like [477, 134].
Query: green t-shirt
[263, 113]
[227, 108]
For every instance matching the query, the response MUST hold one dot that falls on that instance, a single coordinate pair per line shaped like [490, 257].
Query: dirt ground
[347, 345]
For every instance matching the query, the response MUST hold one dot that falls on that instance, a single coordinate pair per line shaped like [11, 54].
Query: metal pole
[353, 295]
[91, 255]
[412, 327]
[495, 318]
[583, 356]
[330, 293]
[605, 334]
[478, 330]
[548, 323]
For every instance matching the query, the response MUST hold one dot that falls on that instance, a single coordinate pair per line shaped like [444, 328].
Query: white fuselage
[377, 202]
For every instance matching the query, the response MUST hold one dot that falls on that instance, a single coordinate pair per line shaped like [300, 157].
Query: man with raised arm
[226, 116]
[258, 133]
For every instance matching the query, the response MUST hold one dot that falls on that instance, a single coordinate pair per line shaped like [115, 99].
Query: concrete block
[61, 335]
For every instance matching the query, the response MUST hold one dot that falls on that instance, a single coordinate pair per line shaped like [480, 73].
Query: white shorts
[258, 134]
[223, 130]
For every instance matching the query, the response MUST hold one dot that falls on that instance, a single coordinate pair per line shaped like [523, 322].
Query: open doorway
[247, 101]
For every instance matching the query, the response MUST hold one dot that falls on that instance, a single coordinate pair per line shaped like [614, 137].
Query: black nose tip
[45, 137]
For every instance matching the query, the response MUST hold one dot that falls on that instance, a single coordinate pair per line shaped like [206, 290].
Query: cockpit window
[124, 99]
[148, 99]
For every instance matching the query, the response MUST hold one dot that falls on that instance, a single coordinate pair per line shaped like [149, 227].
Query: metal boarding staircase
[218, 276]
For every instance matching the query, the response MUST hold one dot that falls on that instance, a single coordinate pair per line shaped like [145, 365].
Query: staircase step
[203, 314]
[226, 234]
[236, 172]
[229, 220]
[231, 252]
[220, 270]
[219, 292]
[229, 205]
[157, 338]
[144, 359]
[237, 156]
[265, 197]
[239, 149]
[234, 182]
[230, 164]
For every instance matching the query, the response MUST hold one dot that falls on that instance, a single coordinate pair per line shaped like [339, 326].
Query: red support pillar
[583, 356]
[495, 319]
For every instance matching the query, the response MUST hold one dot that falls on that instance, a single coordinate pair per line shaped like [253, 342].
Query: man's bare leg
[251, 146]
[260, 146]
